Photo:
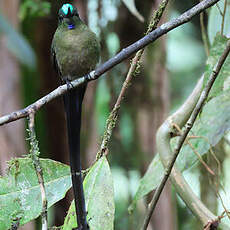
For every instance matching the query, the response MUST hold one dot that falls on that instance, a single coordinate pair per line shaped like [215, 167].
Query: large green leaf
[98, 187]
[20, 196]
[211, 125]
[149, 181]
[215, 20]
[17, 44]
[223, 80]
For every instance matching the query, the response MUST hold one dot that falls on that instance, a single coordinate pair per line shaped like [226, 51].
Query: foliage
[216, 20]
[30, 8]
[19, 187]
[98, 187]
[20, 195]
[223, 80]
[212, 125]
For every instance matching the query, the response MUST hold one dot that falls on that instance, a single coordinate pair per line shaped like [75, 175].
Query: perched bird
[75, 52]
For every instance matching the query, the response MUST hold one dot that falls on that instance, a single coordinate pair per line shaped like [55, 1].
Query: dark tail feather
[73, 106]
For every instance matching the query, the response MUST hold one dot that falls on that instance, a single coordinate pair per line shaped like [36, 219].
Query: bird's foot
[90, 76]
[69, 84]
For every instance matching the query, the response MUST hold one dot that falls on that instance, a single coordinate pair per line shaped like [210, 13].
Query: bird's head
[67, 15]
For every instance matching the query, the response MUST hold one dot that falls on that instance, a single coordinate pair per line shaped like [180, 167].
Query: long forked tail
[73, 106]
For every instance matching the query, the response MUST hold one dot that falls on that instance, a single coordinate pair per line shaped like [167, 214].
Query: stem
[204, 34]
[34, 151]
[223, 17]
[135, 65]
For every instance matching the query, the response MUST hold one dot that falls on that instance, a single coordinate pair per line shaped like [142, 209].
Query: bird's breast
[77, 53]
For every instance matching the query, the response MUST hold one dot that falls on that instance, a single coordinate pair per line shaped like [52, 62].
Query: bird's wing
[54, 61]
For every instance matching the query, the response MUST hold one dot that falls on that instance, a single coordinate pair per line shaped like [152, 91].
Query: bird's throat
[71, 26]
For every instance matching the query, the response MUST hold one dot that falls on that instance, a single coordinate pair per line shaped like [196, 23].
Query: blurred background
[169, 71]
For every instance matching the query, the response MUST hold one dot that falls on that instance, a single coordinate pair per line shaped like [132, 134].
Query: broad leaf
[98, 187]
[215, 20]
[210, 127]
[149, 182]
[130, 4]
[34, 9]
[223, 80]
[20, 196]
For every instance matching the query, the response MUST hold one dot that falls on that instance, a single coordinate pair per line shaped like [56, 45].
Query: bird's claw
[69, 84]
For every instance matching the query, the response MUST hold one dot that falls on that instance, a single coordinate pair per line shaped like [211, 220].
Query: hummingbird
[75, 51]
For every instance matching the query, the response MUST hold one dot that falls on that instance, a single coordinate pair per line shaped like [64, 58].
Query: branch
[121, 56]
[223, 17]
[204, 34]
[34, 151]
[111, 121]
[168, 158]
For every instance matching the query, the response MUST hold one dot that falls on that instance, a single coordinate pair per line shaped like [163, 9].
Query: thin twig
[195, 151]
[204, 33]
[218, 7]
[222, 203]
[210, 150]
[34, 151]
[223, 17]
[188, 127]
[134, 68]
[200, 158]
[121, 56]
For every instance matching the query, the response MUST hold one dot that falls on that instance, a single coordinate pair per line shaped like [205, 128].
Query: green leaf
[222, 82]
[130, 4]
[149, 181]
[215, 21]
[30, 8]
[17, 44]
[20, 195]
[212, 125]
[98, 187]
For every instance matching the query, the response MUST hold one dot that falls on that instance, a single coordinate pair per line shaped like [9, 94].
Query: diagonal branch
[121, 56]
[169, 158]
[34, 152]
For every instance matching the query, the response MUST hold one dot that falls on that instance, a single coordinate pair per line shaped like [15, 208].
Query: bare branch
[223, 17]
[121, 56]
[204, 34]
[34, 151]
